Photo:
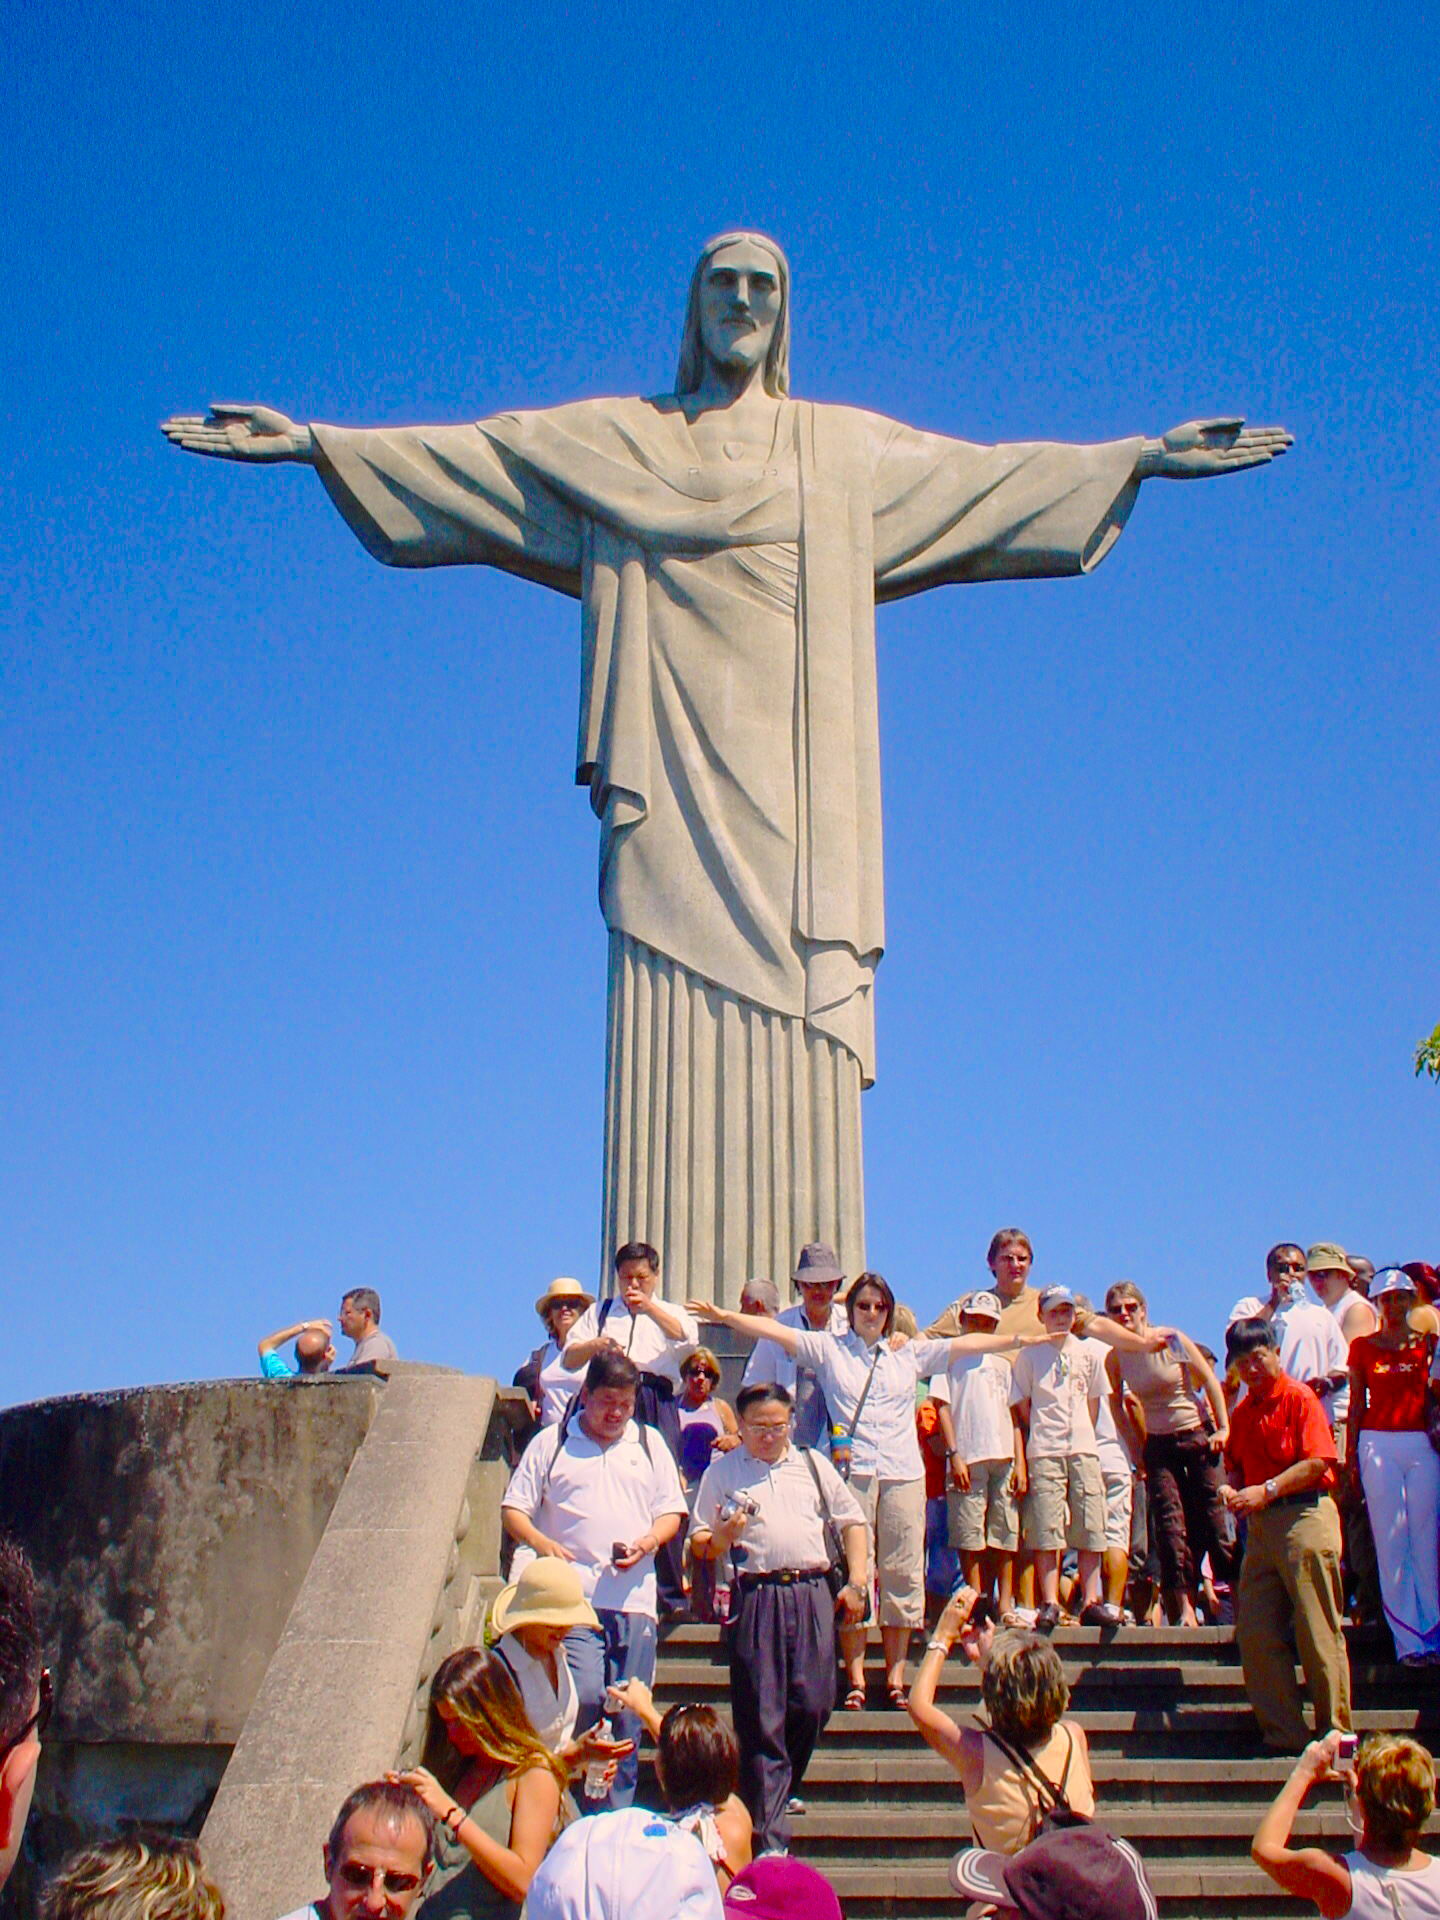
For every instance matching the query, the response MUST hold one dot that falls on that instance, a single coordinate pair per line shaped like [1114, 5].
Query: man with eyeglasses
[1313, 1350]
[766, 1505]
[377, 1857]
[25, 1698]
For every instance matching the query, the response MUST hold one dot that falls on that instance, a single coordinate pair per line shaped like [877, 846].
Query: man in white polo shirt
[605, 1494]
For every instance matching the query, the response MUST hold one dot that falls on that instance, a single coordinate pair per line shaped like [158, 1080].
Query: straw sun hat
[570, 1291]
[547, 1594]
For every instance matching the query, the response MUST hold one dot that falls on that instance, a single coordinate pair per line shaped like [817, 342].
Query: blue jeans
[622, 1649]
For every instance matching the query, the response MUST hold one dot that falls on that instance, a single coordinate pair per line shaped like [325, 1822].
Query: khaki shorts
[895, 1513]
[1119, 1510]
[1074, 1483]
[988, 1515]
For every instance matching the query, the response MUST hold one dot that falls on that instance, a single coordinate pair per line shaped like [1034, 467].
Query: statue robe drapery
[729, 738]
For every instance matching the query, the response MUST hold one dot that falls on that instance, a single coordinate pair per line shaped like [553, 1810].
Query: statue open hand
[233, 432]
[1202, 448]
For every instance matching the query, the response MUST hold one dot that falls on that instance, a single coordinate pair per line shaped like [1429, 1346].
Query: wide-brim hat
[570, 1291]
[817, 1266]
[547, 1594]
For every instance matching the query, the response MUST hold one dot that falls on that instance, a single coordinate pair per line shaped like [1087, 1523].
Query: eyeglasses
[358, 1876]
[38, 1720]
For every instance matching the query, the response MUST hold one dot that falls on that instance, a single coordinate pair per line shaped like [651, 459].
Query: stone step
[1222, 1829]
[687, 1679]
[887, 1892]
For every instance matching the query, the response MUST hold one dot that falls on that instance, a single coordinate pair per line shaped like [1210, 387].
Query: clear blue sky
[302, 976]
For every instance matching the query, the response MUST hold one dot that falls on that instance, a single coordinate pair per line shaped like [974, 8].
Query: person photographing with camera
[798, 1543]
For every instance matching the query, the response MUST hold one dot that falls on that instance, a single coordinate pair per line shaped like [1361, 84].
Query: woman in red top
[1389, 1386]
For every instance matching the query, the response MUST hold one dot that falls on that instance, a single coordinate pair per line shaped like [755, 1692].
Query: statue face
[739, 304]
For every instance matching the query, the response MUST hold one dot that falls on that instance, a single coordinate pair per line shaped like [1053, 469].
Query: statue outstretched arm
[1203, 448]
[231, 431]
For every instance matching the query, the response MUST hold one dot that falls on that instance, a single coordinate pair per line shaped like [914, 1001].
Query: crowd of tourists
[1024, 1461]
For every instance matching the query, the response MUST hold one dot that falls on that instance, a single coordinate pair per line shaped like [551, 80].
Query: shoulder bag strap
[833, 1538]
[865, 1390]
[1053, 1796]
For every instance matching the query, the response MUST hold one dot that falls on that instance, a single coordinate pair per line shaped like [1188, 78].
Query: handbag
[837, 1573]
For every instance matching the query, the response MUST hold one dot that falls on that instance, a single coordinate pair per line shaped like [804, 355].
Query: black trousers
[782, 1691]
[1182, 1477]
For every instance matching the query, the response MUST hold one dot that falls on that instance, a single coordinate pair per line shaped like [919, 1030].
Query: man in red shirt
[1281, 1460]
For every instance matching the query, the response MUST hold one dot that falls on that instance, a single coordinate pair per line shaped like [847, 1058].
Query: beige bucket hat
[547, 1594]
[570, 1291]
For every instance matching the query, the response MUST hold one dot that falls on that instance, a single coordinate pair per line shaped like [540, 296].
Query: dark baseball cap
[1072, 1873]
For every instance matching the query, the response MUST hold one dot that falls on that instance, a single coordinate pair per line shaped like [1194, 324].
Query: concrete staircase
[1178, 1766]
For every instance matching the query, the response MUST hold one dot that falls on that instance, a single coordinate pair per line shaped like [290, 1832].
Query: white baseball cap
[626, 1865]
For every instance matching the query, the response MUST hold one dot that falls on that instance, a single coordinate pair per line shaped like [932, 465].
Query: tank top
[1385, 1893]
[1158, 1382]
[458, 1890]
[1005, 1810]
[700, 1427]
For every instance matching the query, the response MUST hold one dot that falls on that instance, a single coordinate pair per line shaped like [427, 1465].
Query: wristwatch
[1271, 1487]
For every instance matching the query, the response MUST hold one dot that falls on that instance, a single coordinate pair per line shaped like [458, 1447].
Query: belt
[782, 1577]
[1311, 1497]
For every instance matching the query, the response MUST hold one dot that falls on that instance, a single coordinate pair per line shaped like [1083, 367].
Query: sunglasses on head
[358, 1876]
[38, 1720]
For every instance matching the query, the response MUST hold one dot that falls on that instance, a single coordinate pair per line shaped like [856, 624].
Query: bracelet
[942, 1647]
[455, 1819]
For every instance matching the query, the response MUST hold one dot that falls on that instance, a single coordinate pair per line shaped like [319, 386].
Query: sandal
[854, 1701]
[899, 1699]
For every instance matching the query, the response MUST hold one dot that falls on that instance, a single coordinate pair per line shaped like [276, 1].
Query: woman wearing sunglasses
[499, 1797]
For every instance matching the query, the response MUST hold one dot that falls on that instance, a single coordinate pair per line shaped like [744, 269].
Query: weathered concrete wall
[172, 1527]
[396, 1583]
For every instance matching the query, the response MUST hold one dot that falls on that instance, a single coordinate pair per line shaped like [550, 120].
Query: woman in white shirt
[550, 1384]
[870, 1390]
[1389, 1797]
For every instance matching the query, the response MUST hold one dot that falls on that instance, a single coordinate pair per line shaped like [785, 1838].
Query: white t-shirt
[593, 1497]
[1059, 1382]
[552, 1711]
[1108, 1444]
[638, 1336]
[557, 1386]
[769, 1362]
[1311, 1344]
[886, 1444]
[789, 1529]
[977, 1391]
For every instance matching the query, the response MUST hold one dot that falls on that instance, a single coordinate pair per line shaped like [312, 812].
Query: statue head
[695, 349]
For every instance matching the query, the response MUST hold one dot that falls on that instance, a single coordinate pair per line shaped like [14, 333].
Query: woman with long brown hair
[498, 1794]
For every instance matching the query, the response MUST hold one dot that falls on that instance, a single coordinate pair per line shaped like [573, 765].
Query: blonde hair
[1395, 1785]
[478, 1688]
[692, 348]
[150, 1877]
[704, 1355]
[905, 1321]
[1023, 1687]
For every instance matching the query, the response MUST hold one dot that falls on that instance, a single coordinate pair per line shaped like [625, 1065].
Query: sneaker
[1100, 1613]
[1047, 1618]
[794, 1804]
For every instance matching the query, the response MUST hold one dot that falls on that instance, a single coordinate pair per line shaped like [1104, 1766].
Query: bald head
[313, 1351]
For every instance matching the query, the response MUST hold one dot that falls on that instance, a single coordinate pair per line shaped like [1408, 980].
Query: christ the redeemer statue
[727, 545]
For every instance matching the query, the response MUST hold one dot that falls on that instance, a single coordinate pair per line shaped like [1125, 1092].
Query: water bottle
[595, 1787]
[840, 1450]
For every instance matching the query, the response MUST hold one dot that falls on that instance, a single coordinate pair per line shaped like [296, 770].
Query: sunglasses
[38, 1720]
[357, 1876]
[700, 1373]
